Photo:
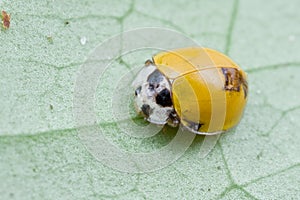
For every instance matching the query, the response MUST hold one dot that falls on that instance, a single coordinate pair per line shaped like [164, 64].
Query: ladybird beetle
[199, 88]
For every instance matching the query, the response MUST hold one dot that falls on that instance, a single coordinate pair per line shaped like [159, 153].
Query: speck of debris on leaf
[66, 22]
[51, 107]
[259, 155]
[83, 40]
[5, 19]
[50, 39]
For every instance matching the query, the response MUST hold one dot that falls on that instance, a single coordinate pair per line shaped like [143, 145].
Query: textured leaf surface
[41, 156]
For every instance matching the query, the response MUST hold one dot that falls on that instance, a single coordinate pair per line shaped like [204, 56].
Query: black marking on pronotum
[138, 90]
[146, 109]
[154, 79]
[151, 87]
[164, 98]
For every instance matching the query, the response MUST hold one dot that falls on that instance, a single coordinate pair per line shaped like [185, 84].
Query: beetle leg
[173, 119]
[148, 62]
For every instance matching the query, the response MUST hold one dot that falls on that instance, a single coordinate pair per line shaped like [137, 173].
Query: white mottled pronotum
[149, 84]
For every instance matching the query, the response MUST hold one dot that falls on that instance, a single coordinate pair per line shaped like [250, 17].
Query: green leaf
[41, 155]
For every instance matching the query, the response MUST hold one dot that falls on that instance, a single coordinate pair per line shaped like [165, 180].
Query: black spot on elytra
[164, 98]
[146, 109]
[198, 126]
[195, 126]
[138, 90]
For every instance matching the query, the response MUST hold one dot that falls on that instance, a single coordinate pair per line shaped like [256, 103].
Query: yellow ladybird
[199, 88]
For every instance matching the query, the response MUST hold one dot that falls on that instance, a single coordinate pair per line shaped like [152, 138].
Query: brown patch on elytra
[245, 87]
[234, 80]
[5, 19]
